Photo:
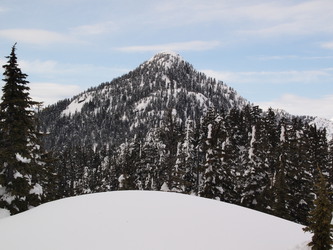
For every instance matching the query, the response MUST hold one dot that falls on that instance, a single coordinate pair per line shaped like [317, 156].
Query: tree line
[246, 157]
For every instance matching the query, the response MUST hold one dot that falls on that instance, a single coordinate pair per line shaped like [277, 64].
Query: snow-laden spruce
[23, 162]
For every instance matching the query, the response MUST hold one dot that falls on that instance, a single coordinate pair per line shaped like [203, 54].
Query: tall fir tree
[255, 176]
[151, 159]
[213, 135]
[280, 189]
[320, 217]
[22, 162]
[189, 156]
[170, 133]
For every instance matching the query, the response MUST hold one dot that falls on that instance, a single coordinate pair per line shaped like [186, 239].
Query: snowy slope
[77, 104]
[147, 221]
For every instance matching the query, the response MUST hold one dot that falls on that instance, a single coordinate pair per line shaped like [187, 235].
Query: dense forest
[243, 156]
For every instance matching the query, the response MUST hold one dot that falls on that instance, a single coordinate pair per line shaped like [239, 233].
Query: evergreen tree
[21, 155]
[178, 172]
[303, 172]
[235, 152]
[321, 217]
[129, 163]
[255, 177]
[213, 135]
[269, 154]
[148, 174]
[170, 133]
[189, 156]
[280, 189]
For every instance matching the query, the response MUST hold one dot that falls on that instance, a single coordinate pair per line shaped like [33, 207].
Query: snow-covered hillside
[146, 220]
[131, 105]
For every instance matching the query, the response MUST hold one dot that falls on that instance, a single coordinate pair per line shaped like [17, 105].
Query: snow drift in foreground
[147, 220]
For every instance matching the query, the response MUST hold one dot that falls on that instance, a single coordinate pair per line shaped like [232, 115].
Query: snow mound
[147, 220]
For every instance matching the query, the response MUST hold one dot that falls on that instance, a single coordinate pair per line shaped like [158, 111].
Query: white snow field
[147, 220]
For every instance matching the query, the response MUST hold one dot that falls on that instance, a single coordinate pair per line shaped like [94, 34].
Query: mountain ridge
[164, 62]
[166, 81]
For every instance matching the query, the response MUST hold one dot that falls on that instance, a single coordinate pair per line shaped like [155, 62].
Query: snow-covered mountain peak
[170, 53]
[167, 53]
[166, 59]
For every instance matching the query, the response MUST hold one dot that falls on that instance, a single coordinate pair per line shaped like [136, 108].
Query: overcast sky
[273, 53]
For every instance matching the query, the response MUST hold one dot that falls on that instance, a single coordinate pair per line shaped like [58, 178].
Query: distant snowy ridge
[143, 220]
[319, 122]
[322, 123]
